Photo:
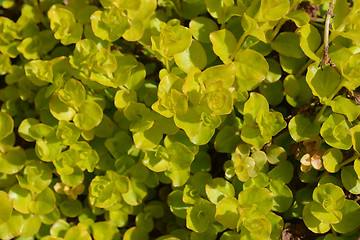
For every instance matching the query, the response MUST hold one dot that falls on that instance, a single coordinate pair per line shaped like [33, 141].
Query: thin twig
[329, 16]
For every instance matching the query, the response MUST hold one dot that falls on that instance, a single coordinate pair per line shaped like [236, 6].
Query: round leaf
[259, 199]
[6, 207]
[350, 180]
[283, 197]
[201, 27]
[194, 56]
[227, 212]
[88, 116]
[6, 125]
[301, 128]
[331, 160]
[314, 224]
[335, 131]
[219, 188]
[43, 203]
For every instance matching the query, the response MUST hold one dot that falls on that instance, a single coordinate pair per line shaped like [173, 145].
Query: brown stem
[326, 59]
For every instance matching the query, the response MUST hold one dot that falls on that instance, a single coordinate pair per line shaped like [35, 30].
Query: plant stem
[329, 16]
[349, 160]
[331, 96]
[282, 21]
[238, 45]
[277, 29]
[167, 65]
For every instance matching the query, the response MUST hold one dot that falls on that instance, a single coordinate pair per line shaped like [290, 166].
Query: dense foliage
[179, 119]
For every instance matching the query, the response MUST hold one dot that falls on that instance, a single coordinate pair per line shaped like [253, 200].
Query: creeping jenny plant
[179, 119]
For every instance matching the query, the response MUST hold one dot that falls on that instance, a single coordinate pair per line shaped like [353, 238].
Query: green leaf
[148, 139]
[300, 18]
[67, 132]
[87, 158]
[119, 144]
[355, 137]
[275, 154]
[219, 188]
[60, 110]
[135, 233]
[301, 128]
[322, 82]
[274, 73]
[288, 44]
[227, 212]
[283, 172]
[251, 134]
[122, 97]
[5, 64]
[39, 72]
[226, 141]
[84, 54]
[201, 27]
[224, 44]
[330, 196]
[331, 160]
[351, 71]
[217, 100]
[251, 68]
[157, 160]
[102, 192]
[254, 106]
[350, 180]
[199, 216]
[71, 208]
[89, 116]
[6, 207]
[345, 106]
[173, 39]
[335, 131]
[109, 24]
[37, 177]
[105, 62]
[21, 198]
[270, 123]
[31, 226]
[279, 8]
[12, 161]
[332, 217]
[104, 230]
[292, 65]
[258, 199]
[59, 228]
[219, 73]
[310, 40]
[73, 93]
[6, 125]
[43, 202]
[194, 56]
[13, 227]
[132, 6]
[251, 27]
[195, 129]
[176, 204]
[136, 193]
[77, 232]
[223, 10]
[64, 25]
[351, 213]
[283, 197]
[312, 223]
[254, 225]
[277, 224]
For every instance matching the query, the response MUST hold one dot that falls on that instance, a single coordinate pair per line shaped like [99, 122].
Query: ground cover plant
[170, 119]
